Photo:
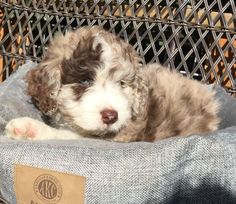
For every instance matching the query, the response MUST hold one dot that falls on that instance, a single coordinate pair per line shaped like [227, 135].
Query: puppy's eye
[85, 82]
[52, 94]
[122, 83]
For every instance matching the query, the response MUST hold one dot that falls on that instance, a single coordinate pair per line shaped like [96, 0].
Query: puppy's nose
[109, 116]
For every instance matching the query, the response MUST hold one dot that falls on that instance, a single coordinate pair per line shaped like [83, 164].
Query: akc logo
[48, 188]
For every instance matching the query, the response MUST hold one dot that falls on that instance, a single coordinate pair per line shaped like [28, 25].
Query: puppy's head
[96, 95]
[98, 89]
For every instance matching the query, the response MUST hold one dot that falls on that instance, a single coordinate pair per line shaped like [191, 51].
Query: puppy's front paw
[25, 128]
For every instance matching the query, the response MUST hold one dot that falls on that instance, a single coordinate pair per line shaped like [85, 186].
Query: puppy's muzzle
[109, 116]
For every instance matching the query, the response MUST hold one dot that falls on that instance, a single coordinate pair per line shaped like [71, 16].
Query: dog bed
[196, 169]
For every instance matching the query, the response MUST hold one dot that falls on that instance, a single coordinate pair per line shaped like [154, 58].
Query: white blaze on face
[98, 98]
[86, 112]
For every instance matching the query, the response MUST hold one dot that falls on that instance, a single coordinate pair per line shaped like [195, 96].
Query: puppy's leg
[123, 138]
[28, 128]
[133, 131]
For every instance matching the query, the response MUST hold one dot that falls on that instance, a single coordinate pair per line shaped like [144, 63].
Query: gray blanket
[195, 169]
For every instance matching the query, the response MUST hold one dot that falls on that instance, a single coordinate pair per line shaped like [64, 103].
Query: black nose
[109, 116]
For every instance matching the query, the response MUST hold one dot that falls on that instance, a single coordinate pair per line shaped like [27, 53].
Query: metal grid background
[196, 37]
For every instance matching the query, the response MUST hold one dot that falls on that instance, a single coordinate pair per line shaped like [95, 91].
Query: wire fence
[198, 38]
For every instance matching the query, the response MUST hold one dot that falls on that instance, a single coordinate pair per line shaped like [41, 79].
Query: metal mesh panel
[198, 38]
[2, 201]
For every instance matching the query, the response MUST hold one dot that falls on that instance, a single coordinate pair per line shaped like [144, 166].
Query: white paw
[26, 128]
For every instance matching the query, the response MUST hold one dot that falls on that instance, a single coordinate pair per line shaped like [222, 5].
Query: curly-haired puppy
[91, 84]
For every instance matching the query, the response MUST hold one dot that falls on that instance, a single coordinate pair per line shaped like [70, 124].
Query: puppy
[91, 84]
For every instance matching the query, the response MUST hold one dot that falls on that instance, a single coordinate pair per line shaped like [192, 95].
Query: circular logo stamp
[48, 188]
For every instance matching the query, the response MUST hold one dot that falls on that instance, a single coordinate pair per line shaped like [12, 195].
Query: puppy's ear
[43, 86]
[141, 96]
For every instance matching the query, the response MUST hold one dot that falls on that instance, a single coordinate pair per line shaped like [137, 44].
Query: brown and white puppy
[91, 84]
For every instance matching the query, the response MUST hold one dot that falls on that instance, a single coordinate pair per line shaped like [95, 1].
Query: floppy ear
[141, 95]
[44, 83]
[137, 125]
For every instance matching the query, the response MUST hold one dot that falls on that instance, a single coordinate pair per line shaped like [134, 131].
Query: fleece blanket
[195, 169]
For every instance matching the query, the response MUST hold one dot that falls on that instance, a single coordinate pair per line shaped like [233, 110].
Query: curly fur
[90, 70]
[174, 106]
